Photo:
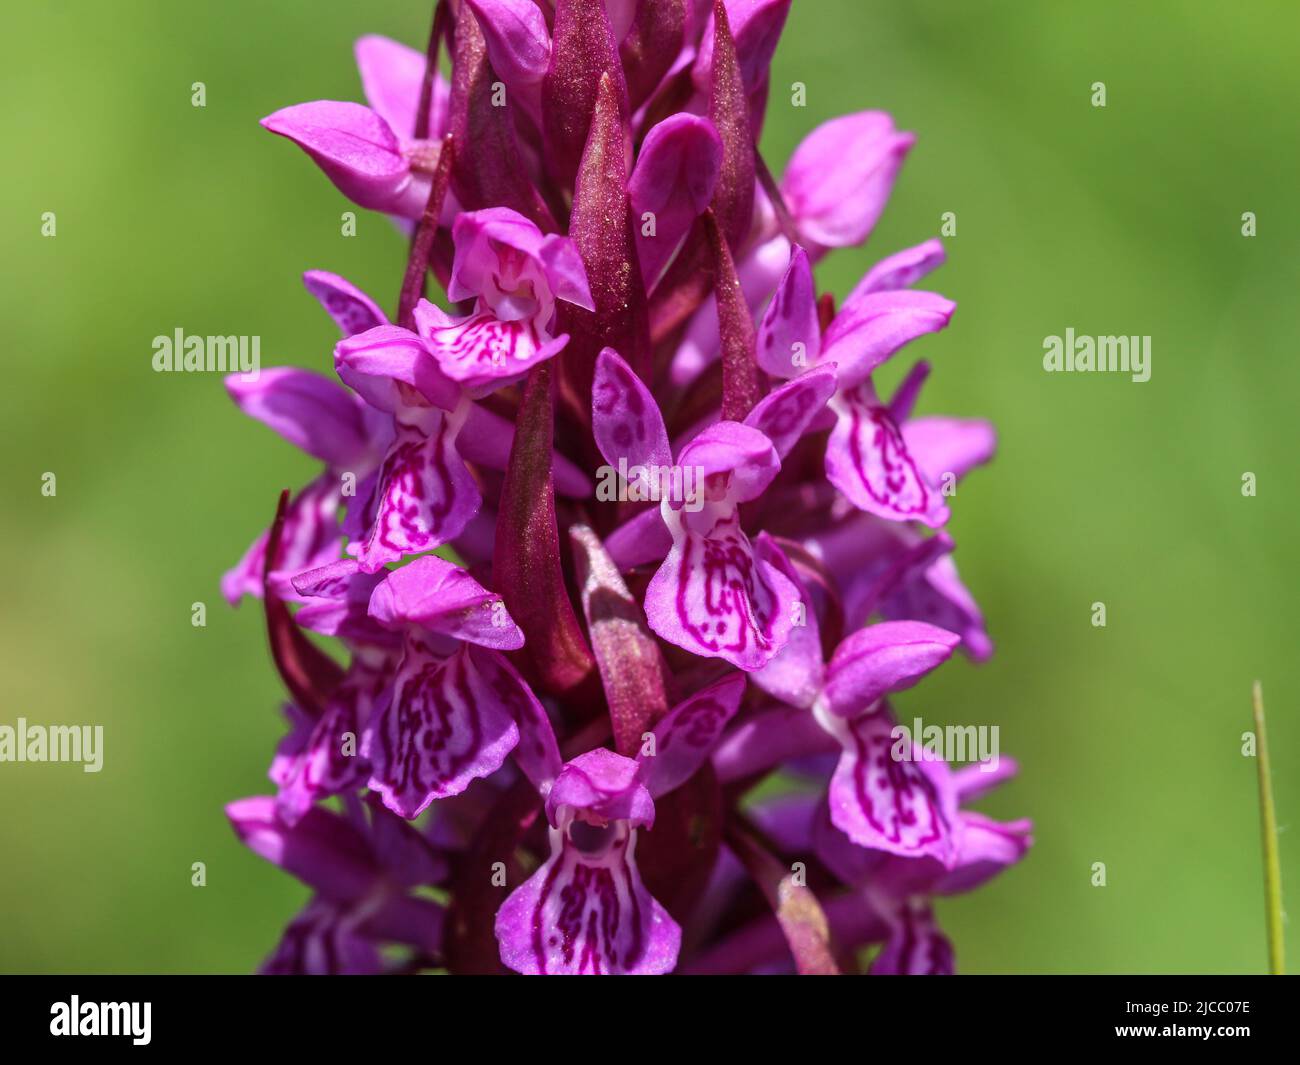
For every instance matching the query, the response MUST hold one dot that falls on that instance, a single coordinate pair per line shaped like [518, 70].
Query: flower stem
[417, 265]
[1268, 829]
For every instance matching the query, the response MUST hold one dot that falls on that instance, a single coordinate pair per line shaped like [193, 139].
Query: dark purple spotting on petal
[489, 171]
[309, 674]
[583, 50]
[631, 665]
[527, 570]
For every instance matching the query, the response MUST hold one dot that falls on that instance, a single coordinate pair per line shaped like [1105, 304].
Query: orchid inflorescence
[544, 751]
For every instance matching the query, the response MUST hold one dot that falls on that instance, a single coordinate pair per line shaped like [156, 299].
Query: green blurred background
[1121, 220]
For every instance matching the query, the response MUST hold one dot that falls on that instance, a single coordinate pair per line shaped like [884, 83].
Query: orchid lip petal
[898, 805]
[426, 496]
[442, 729]
[868, 460]
[580, 914]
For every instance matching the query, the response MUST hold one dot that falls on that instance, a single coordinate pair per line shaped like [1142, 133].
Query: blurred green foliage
[1125, 220]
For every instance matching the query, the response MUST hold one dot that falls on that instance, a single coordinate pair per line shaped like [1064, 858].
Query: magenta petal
[426, 496]
[482, 353]
[640, 540]
[685, 737]
[537, 754]
[839, 178]
[936, 594]
[443, 728]
[338, 594]
[867, 459]
[776, 734]
[310, 538]
[713, 597]
[916, 946]
[736, 455]
[441, 597]
[905, 396]
[356, 149]
[984, 849]
[504, 260]
[795, 673]
[888, 657]
[375, 362]
[603, 786]
[322, 849]
[312, 412]
[783, 416]
[585, 913]
[391, 78]
[518, 45]
[352, 310]
[901, 270]
[975, 781]
[955, 446]
[327, 759]
[324, 939]
[675, 174]
[789, 337]
[886, 803]
[625, 417]
[870, 329]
